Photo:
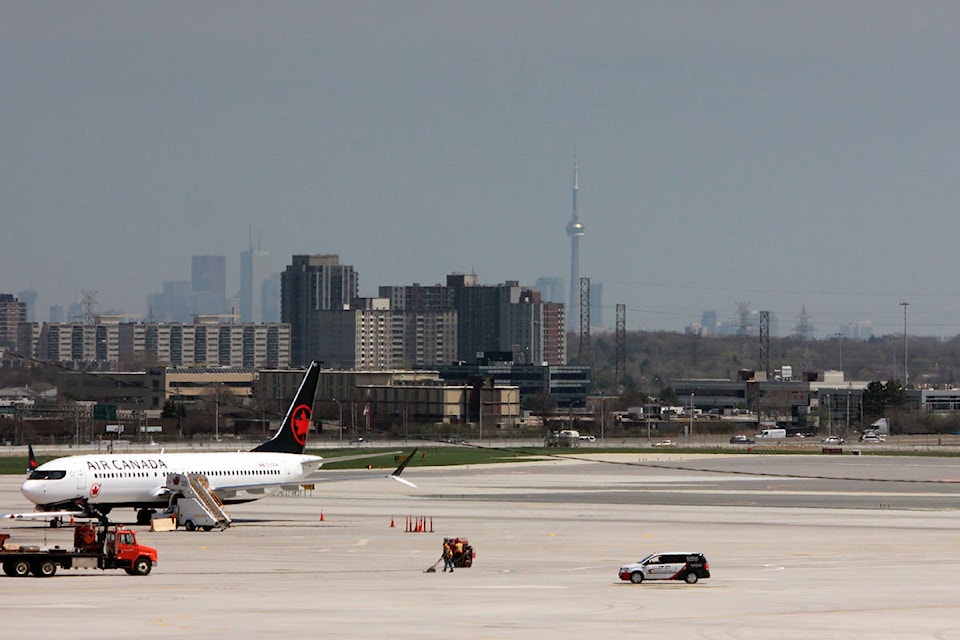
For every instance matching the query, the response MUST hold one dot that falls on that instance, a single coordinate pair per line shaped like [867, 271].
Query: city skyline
[789, 156]
[709, 321]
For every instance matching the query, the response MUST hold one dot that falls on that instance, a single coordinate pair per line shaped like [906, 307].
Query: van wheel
[189, 525]
[636, 577]
[692, 578]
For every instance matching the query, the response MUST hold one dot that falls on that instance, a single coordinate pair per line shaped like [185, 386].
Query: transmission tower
[89, 302]
[621, 368]
[765, 342]
[586, 355]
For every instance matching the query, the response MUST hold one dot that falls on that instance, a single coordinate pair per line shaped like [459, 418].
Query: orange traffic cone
[392, 524]
[322, 517]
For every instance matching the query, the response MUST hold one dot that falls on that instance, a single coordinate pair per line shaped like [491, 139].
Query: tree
[668, 397]
[173, 409]
[879, 398]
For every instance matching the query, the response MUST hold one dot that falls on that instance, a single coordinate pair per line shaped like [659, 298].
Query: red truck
[95, 546]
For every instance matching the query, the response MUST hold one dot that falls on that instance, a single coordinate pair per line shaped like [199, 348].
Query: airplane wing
[395, 474]
[359, 456]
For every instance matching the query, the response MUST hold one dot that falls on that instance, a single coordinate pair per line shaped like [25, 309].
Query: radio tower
[575, 230]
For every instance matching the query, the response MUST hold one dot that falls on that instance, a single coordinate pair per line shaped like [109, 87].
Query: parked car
[832, 440]
[741, 439]
[871, 437]
[686, 565]
[588, 439]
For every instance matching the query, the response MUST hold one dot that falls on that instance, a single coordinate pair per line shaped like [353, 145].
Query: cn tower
[575, 230]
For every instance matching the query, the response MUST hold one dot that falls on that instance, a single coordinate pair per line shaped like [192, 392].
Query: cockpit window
[47, 474]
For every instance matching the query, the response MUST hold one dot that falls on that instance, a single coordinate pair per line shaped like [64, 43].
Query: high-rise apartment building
[12, 313]
[108, 344]
[312, 284]
[499, 318]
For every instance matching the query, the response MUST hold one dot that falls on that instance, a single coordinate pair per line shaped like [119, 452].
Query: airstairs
[193, 504]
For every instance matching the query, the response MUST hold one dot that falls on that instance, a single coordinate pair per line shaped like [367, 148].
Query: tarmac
[813, 546]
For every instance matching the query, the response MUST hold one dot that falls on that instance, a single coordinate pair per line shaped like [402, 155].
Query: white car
[588, 439]
[871, 437]
[832, 440]
[665, 443]
[684, 565]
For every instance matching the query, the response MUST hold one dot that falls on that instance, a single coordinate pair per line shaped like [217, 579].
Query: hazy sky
[784, 154]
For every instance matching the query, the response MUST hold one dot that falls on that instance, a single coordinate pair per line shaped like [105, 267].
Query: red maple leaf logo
[301, 423]
[95, 490]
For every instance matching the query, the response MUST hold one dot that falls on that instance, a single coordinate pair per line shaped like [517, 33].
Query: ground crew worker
[458, 551]
[447, 555]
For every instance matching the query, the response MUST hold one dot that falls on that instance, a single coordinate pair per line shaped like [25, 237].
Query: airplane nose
[33, 490]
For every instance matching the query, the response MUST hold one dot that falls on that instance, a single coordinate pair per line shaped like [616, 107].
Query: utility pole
[906, 371]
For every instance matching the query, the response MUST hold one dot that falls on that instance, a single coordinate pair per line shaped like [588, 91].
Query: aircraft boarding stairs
[193, 504]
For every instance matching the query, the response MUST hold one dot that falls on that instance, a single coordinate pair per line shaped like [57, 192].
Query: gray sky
[778, 153]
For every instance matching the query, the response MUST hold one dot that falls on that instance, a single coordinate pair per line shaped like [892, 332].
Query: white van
[771, 434]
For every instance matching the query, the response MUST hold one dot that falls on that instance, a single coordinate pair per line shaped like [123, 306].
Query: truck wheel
[16, 568]
[142, 566]
[692, 578]
[43, 568]
[189, 525]
[636, 577]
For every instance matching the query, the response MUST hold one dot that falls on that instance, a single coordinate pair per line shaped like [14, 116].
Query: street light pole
[480, 413]
[603, 415]
[829, 418]
[848, 411]
[906, 372]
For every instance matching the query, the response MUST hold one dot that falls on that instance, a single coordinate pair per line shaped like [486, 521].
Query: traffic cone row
[418, 524]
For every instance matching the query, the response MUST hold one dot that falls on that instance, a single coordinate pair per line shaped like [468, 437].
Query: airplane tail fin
[31, 459]
[292, 435]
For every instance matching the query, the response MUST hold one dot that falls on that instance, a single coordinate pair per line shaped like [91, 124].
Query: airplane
[97, 483]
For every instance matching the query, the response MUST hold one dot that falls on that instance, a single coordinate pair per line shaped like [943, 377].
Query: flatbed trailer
[94, 547]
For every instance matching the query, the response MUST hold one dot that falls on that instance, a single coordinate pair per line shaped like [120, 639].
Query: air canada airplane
[74, 484]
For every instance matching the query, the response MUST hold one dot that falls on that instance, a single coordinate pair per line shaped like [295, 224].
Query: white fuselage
[139, 479]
